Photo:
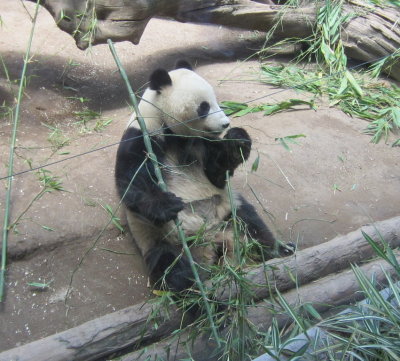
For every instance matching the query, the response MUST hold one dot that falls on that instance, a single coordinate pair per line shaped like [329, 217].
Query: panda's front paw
[166, 208]
[287, 249]
[240, 144]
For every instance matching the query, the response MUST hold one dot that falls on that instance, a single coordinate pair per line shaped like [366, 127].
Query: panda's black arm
[226, 155]
[144, 196]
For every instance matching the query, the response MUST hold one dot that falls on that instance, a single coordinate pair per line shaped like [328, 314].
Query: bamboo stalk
[6, 228]
[163, 187]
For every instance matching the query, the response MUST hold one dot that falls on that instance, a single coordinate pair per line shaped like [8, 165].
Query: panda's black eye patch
[203, 109]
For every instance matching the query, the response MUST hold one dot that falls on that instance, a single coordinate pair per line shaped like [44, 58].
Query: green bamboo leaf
[230, 107]
[255, 164]
[48, 228]
[271, 109]
[246, 111]
[312, 311]
[283, 143]
[291, 311]
[343, 86]
[356, 87]
[396, 143]
[372, 293]
[395, 115]
[40, 285]
[295, 136]
[275, 334]
[375, 246]
[289, 139]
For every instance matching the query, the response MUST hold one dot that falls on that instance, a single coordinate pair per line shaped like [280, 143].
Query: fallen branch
[129, 326]
[371, 32]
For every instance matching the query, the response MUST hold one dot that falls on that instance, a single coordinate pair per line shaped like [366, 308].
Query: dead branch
[371, 33]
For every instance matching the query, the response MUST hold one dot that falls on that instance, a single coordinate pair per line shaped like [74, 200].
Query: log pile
[323, 274]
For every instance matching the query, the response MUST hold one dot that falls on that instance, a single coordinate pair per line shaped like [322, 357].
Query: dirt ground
[333, 181]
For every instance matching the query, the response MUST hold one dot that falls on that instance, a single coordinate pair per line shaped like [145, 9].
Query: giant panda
[185, 123]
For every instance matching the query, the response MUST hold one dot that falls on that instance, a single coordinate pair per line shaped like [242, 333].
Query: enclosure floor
[332, 182]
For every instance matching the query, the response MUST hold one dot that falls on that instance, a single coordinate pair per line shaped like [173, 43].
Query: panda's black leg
[165, 263]
[260, 232]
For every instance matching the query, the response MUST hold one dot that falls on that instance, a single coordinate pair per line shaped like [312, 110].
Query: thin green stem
[241, 294]
[11, 157]
[35, 198]
[163, 187]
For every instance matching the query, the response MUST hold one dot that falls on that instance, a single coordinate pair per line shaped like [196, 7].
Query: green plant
[284, 141]
[67, 68]
[49, 183]
[235, 109]
[325, 45]
[358, 95]
[11, 156]
[41, 286]
[368, 330]
[57, 137]
[88, 19]
[114, 219]
[85, 118]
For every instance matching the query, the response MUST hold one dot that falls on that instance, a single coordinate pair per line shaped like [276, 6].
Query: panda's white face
[188, 103]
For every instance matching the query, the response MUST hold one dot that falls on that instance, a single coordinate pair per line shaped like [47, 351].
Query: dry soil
[333, 181]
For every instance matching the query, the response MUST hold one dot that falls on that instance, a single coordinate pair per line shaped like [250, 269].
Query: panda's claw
[287, 249]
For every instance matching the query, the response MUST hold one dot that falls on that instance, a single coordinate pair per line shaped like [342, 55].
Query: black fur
[216, 156]
[183, 64]
[164, 256]
[203, 109]
[159, 79]
[226, 155]
[144, 196]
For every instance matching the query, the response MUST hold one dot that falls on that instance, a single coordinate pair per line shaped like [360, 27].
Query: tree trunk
[373, 32]
[130, 326]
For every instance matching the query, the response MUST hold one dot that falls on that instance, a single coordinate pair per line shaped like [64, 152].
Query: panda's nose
[225, 125]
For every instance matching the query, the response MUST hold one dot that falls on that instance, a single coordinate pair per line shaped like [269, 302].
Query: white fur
[177, 105]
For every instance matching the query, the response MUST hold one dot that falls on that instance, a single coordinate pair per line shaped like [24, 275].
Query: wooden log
[129, 326]
[370, 33]
[98, 337]
[328, 292]
[318, 261]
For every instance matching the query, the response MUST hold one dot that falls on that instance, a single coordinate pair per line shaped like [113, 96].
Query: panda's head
[185, 102]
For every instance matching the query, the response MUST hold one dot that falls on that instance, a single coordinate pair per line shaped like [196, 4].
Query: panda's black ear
[183, 64]
[159, 79]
